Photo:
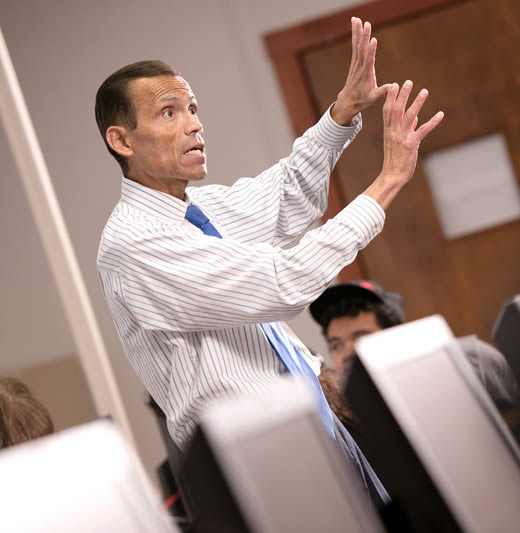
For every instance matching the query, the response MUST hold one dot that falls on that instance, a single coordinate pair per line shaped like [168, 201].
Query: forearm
[290, 195]
[384, 189]
[315, 153]
[210, 283]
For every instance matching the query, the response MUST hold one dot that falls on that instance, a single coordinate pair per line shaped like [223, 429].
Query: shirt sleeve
[280, 204]
[187, 282]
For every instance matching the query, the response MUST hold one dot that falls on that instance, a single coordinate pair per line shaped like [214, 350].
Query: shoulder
[126, 223]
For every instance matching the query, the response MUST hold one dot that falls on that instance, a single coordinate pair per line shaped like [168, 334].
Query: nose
[339, 357]
[348, 349]
[193, 124]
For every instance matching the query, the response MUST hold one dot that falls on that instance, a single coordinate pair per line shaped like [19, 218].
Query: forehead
[345, 325]
[150, 91]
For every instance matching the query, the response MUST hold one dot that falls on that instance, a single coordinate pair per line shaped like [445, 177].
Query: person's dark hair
[114, 106]
[22, 417]
[386, 317]
[329, 381]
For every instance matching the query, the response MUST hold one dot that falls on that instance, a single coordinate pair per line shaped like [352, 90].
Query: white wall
[62, 51]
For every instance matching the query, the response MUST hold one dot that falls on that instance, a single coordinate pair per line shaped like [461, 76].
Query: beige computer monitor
[436, 423]
[83, 480]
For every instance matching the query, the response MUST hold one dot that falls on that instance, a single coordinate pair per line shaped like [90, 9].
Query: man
[194, 311]
[348, 311]
[345, 313]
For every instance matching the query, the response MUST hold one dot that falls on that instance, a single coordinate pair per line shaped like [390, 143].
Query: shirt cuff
[332, 134]
[365, 215]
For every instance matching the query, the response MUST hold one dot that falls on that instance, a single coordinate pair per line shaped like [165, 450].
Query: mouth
[347, 363]
[196, 149]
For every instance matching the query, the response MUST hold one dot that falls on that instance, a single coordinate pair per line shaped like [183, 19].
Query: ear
[117, 139]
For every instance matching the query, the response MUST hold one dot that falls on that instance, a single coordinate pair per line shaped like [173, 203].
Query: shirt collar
[154, 203]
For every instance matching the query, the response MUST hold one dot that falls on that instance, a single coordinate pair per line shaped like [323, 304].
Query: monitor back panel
[449, 421]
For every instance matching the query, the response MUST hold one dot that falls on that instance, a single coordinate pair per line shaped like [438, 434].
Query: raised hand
[361, 88]
[402, 139]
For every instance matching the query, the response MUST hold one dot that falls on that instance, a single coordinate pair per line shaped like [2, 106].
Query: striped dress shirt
[187, 306]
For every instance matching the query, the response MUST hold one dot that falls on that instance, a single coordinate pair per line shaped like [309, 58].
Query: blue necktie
[287, 352]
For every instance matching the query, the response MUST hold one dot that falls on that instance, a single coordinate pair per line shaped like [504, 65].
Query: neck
[173, 187]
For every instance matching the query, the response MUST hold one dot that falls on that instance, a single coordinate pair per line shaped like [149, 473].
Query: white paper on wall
[473, 185]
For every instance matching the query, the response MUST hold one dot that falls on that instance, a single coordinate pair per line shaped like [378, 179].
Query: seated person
[493, 371]
[348, 311]
[22, 417]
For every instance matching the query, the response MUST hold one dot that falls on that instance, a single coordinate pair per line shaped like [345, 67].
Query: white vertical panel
[49, 220]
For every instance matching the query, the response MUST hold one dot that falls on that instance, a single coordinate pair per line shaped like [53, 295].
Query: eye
[336, 346]
[193, 109]
[168, 112]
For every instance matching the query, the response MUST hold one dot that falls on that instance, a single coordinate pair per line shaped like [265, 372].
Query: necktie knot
[195, 216]
[199, 219]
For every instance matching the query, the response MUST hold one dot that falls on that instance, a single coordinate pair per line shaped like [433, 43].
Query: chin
[200, 176]
[346, 366]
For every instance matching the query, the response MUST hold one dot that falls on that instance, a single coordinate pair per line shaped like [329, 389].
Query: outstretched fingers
[357, 30]
[365, 39]
[401, 138]
[427, 127]
[400, 104]
[362, 44]
[371, 54]
[413, 111]
[411, 118]
[396, 115]
[389, 104]
[360, 90]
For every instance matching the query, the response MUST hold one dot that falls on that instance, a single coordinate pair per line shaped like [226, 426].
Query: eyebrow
[172, 99]
[355, 332]
[167, 99]
[332, 339]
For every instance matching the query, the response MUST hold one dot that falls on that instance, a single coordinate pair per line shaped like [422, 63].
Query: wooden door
[467, 53]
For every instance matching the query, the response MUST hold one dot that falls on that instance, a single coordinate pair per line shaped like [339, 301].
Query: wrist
[343, 112]
[385, 188]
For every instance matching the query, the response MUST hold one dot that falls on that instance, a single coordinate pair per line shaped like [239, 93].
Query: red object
[171, 500]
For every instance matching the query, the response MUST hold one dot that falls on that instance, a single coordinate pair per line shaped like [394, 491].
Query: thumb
[381, 92]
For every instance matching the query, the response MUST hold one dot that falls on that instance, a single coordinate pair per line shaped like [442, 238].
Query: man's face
[168, 143]
[343, 332]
